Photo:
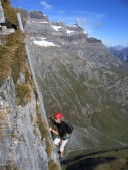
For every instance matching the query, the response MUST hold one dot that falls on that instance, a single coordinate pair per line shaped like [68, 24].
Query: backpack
[69, 127]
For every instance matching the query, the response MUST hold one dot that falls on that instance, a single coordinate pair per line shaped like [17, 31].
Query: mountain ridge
[87, 77]
[120, 52]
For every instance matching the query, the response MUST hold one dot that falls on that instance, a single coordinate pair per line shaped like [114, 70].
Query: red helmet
[57, 115]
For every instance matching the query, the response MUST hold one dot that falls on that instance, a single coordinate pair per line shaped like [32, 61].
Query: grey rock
[2, 18]
[33, 15]
[5, 26]
[5, 31]
[21, 78]
[21, 143]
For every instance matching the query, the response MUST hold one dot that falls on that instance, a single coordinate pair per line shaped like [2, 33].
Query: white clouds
[87, 23]
[81, 21]
[90, 21]
[46, 5]
[61, 11]
[98, 24]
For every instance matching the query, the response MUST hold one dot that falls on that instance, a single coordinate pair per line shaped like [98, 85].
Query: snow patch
[68, 31]
[44, 43]
[32, 38]
[76, 25]
[43, 22]
[56, 27]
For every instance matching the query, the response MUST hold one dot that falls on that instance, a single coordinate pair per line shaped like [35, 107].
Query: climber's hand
[50, 129]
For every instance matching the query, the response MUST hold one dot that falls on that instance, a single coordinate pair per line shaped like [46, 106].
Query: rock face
[80, 78]
[21, 144]
[5, 26]
[33, 15]
[2, 19]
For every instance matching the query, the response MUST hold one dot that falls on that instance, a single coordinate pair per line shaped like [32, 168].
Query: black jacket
[60, 127]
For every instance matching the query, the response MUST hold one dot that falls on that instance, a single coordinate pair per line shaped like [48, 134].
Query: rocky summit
[80, 78]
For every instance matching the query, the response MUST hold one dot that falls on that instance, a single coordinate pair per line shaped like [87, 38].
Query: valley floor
[110, 159]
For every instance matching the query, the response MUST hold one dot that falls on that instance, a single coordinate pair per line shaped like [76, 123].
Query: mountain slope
[120, 52]
[80, 78]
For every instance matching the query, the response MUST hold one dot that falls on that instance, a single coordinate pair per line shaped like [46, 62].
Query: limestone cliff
[24, 141]
[2, 18]
[21, 146]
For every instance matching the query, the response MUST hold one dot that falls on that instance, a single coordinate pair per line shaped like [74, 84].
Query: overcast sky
[106, 20]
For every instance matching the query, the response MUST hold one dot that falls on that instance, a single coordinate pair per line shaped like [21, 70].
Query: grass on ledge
[43, 131]
[13, 56]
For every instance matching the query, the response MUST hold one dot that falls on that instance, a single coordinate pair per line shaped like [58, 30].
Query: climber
[62, 136]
